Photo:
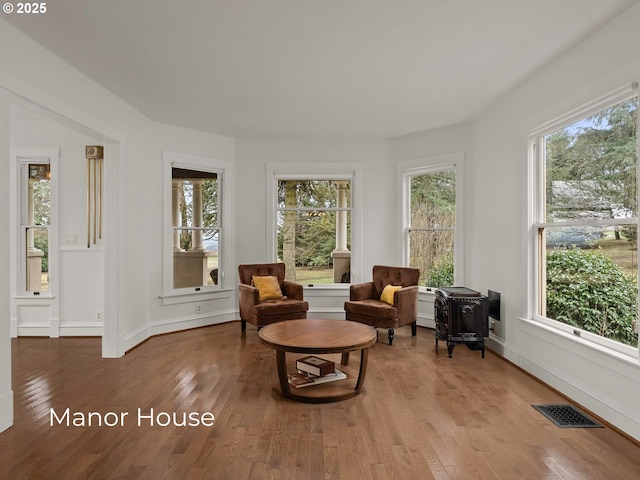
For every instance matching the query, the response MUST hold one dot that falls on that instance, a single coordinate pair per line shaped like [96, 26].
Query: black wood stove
[461, 316]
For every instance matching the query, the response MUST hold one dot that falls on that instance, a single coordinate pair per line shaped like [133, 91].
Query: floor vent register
[567, 416]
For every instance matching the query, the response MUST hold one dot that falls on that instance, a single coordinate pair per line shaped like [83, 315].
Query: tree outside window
[36, 221]
[313, 234]
[587, 223]
[431, 229]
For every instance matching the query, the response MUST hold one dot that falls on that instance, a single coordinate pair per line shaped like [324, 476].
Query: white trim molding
[170, 294]
[408, 168]
[46, 301]
[318, 171]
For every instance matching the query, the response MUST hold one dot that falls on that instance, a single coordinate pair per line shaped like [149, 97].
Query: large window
[196, 227]
[586, 220]
[195, 240]
[314, 221]
[431, 221]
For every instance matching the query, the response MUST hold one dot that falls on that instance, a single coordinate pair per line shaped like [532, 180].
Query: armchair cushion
[388, 293]
[281, 306]
[268, 287]
[374, 308]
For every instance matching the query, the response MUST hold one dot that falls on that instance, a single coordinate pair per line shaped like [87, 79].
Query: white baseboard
[131, 339]
[424, 320]
[86, 329]
[6, 410]
[33, 330]
[134, 338]
[192, 321]
[329, 313]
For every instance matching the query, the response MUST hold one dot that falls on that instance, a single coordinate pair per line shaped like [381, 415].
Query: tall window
[197, 243]
[313, 229]
[196, 227]
[432, 226]
[35, 222]
[586, 220]
[430, 219]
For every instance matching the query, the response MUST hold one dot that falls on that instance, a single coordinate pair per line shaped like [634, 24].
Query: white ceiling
[312, 68]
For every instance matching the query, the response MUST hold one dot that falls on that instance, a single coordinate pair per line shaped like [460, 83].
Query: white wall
[6, 393]
[496, 254]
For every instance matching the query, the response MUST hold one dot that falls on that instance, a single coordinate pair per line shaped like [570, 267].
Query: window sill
[327, 286]
[626, 353]
[34, 297]
[174, 298]
[326, 289]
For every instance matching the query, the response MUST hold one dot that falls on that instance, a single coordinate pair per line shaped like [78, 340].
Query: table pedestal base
[325, 392]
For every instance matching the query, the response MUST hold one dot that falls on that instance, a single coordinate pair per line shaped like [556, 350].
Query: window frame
[536, 188]
[422, 166]
[223, 170]
[325, 171]
[25, 156]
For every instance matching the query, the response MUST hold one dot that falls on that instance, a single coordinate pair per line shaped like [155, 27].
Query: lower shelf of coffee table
[325, 392]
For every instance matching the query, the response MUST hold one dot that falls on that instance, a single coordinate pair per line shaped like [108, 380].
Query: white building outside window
[584, 209]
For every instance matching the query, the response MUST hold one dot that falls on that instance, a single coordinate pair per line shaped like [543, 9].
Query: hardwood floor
[421, 415]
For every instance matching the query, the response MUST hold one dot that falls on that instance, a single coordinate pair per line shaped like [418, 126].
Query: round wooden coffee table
[319, 336]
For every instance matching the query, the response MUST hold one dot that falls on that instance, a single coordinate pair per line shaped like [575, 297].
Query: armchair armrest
[293, 290]
[406, 301]
[249, 297]
[362, 291]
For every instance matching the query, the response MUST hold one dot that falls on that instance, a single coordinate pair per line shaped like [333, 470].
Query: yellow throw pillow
[388, 292]
[268, 287]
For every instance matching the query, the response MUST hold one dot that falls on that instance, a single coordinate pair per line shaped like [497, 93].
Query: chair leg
[243, 325]
[414, 329]
[391, 333]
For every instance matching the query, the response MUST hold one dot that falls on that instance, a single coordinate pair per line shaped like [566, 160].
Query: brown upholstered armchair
[365, 304]
[290, 305]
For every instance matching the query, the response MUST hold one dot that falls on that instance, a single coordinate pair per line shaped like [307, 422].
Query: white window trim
[172, 295]
[325, 171]
[535, 209]
[405, 170]
[20, 156]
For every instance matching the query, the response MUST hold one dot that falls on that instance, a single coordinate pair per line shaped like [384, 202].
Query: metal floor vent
[566, 416]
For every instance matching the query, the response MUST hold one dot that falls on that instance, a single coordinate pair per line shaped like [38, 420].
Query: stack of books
[313, 370]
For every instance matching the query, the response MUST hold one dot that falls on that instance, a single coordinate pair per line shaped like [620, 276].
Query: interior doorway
[59, 280]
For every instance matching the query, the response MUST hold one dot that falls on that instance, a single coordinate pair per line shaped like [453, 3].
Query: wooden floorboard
[421, 415]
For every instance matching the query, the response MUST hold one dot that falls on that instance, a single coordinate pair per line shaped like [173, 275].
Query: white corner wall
[133, 189]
